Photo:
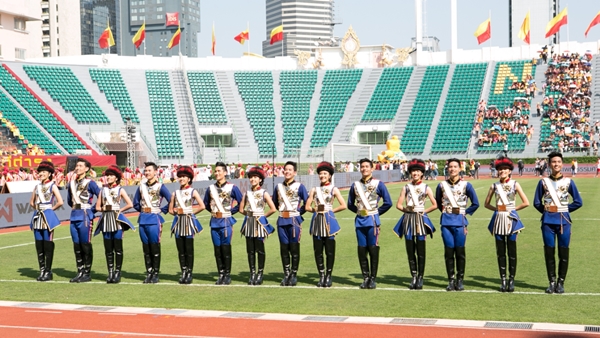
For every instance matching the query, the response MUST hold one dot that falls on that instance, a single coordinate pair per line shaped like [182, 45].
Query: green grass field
[480, 301]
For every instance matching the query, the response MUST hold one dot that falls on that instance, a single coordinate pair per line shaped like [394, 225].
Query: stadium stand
[505, 118]
[111, 83]
[386, 98]
[453, 132]
[64, 87]
[423, 111]
[256, 90]
[207, 99]
[297, 89]
[164, 118]
[38, 111]
[338, 86]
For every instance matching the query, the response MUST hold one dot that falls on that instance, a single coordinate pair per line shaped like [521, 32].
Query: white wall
[30, 39]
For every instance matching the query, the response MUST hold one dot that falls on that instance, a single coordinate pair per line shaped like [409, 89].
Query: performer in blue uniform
[324, 226]
[363, 200]
[552, 201]
[415, 224]
[147, 200]
[112, 222]
[256, 226]
[219, 201]
[289, 198]
[80, 193]
[185, 225]
[44, 219]
[506, 224]
[452, 197]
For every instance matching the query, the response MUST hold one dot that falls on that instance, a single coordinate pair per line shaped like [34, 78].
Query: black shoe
[188, 277]
[503, 285]
[511, 285]
[85, 278]
[154, 278]
[39, 278]
[328, 281]
[321, 282]
[183, 276]
[78, 276]
[148, 277]
[117, 277]
[220, 279]
[560, 286]
[413, 282]
[47, 276]
[551, 286]
[372, 283]
[252, 278]
[259, 277]
[286, 277]
[450, 286]
[293, 279]
[419, 285]
[226, 279]
[111, 276]
[459, 285]
[365, 283]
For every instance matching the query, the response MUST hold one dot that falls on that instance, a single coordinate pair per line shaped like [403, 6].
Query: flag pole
[144, 37]
[282, 37]
[248, 30]
[568, 38]
[490, 11]
[108, 25]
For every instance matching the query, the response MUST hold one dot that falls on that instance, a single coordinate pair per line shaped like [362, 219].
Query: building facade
[153, 12]
[20, 30]
[540, 13]
[60, 28]
[95, 16]
[306, 25]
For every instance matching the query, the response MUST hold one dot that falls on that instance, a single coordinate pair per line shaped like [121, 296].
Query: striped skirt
[256, 227]
[185, 225]
[414, 224]
[505, 223]
[324, 224]
[44, 220]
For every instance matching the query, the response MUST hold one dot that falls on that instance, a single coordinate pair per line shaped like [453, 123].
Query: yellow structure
[392, 152]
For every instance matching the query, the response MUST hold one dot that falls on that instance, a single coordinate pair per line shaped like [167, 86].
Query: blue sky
[379, 21]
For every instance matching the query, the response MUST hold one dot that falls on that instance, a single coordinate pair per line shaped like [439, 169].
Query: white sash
[414, 198]
[41, 195]
[552, 191]
[320, 196]
[146, 195]
[186, 209]
[502, 193]
[363, 197]
[251, 201]
[285, 198]
[74, 191]
[215, 196]
[109, 198]
[449, 194]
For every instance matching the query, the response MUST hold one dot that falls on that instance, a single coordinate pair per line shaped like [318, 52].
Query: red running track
[32, 322]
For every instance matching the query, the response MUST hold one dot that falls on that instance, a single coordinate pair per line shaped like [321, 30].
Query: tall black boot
[319, 260]
[374, 256]
[412, 261]
[155, 252]
[461, 260]
[226, 252]
[49, 253]
[180, 244]
[259, 246]
[118, 243]
[501, 256]
[364, 266]
[189, 259]
[88, 258]
[251, 251]
[79, 262]
[449, 260]
[147, 262]
[220, 265]
[284, 250]
[421, 252]
[512, 264]
[295, 251]
[550, 268]
[330, 253]
[109, 252]
[563, 266]
[39, 248]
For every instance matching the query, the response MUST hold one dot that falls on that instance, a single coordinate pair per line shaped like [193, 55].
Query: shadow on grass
[28, 272]
[496, 283]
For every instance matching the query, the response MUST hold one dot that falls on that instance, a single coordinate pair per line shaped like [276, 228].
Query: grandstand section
[164, 116]
[39, 112]
[419, 123]
[256, 90]
[110, 82]
[297, 89]
[387, 95]
[64, 87]
[456, 123]
[207, 100]
[338, 86]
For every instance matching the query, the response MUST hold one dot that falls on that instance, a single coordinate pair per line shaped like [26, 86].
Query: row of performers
[368, 198]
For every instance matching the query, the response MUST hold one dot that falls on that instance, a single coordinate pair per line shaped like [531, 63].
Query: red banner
[173, 19]
[26, 161]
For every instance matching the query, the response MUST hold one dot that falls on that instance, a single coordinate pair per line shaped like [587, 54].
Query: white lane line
[117, 314]
[59, 330]
[30, 243]
[274, 286]
[41, 311]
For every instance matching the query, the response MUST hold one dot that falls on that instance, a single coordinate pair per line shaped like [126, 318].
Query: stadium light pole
[130, 137]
